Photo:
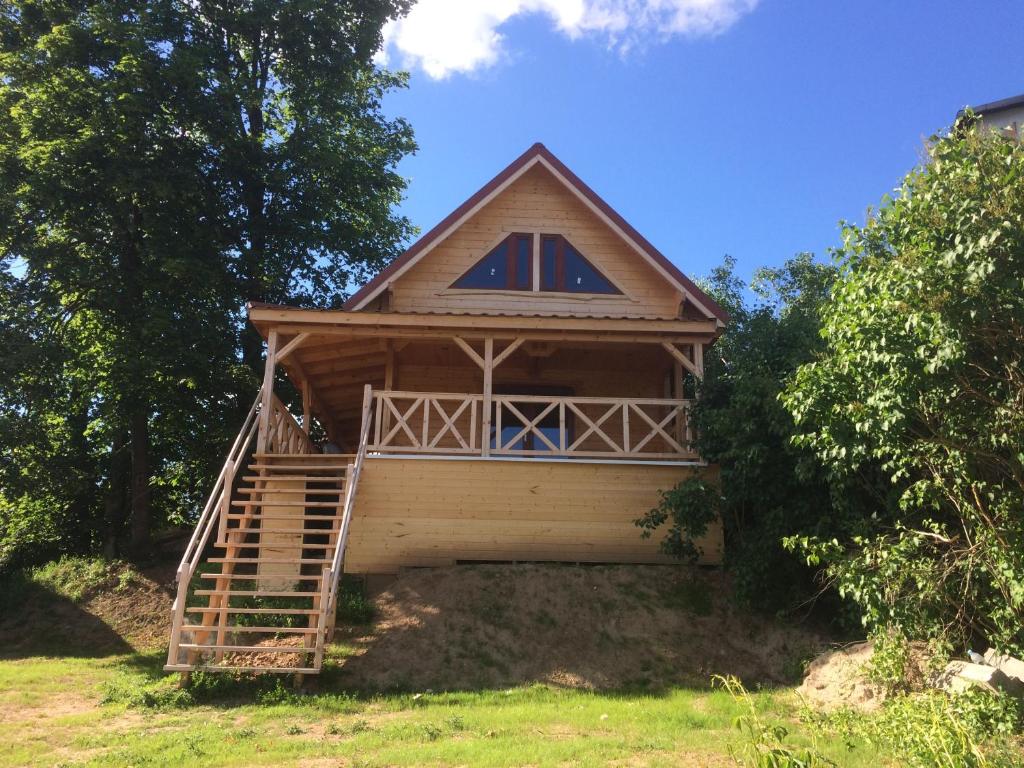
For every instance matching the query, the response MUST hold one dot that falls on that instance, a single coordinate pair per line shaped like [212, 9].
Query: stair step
[256, 576]
[309, 504]
[271, 544]
[300, 455]
[306, 478]
[294, 561]
[307, 491]
[253, 593]
[302, 531]
[247, 648]
[254, 611]
[339, 467]
[244, 516]
[226, 668]
[239, 629]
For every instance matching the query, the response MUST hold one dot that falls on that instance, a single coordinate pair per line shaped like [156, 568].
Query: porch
[489, 387]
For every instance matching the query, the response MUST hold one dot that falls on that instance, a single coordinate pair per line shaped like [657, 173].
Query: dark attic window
[564, 269]
[508, 266]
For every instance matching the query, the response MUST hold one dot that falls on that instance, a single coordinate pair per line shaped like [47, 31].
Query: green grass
[124, 711]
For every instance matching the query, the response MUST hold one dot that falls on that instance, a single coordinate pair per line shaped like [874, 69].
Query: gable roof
[538, 154]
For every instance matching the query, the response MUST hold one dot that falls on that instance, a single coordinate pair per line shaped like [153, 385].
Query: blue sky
[714, 126]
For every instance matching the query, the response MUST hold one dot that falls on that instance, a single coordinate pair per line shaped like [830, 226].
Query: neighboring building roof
[537, 154]
[998, 106]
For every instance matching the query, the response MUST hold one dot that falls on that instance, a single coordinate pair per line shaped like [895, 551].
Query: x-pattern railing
[531, 425]
[426, 422]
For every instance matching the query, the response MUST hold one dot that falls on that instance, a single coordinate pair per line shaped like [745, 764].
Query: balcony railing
[531, 426]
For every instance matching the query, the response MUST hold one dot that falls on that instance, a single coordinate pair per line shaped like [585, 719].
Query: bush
[933, 729]
[921, 376]
[687, 509]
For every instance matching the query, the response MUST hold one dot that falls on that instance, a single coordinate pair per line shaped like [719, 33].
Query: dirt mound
[600, 627]
[838, 679]
[119, 616]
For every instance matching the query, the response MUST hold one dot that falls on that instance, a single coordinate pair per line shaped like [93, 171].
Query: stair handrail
[222, 487]
[351, 484]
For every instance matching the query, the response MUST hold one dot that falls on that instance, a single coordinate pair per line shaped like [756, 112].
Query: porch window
[507, 267]
[564, 269]
[511, 425]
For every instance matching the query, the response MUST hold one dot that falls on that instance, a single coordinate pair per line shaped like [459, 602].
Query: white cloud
[443, 37]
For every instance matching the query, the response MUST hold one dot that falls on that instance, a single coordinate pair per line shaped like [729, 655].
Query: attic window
[508, 267]
[564, 269]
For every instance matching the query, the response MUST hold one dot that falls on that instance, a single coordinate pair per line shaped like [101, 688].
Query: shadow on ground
[607, 628]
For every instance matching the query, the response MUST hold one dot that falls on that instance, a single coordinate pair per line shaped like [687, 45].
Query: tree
[160, 164]
[771, 488]
[922, 375]
[303, 160]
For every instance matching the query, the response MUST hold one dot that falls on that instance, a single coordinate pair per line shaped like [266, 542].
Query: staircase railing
[331, 583]
[217, 505]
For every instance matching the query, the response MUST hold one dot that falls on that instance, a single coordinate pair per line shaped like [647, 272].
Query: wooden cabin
[512, 388]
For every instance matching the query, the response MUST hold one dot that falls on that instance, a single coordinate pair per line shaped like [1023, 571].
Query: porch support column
[307, 405]
[487, 364]
[485, 443]
[268, 392]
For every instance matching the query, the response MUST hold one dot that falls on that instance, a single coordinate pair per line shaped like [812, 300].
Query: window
[548, 426]
[508, 267]
[563, 268]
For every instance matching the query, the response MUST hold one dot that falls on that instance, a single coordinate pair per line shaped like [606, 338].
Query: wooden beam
[637, 336]
[389, 366]
[268, 391]
[291, 346]
[488, 366]
[682, 359]
[508, 351]
[307, 405]
[472, 352]
[318, 321]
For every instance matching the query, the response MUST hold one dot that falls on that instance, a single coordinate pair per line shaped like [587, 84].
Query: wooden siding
[429, 512]
[536, 202]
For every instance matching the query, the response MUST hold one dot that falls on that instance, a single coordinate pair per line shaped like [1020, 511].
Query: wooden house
[512, 388]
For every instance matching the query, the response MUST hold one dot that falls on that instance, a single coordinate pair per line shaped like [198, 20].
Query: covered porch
[485, 386]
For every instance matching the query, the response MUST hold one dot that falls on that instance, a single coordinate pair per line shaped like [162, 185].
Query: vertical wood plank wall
[424, 512]
[535, 202]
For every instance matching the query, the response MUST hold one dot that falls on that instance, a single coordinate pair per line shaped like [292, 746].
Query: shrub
[687, 509]
[933, 729]
[921, 376]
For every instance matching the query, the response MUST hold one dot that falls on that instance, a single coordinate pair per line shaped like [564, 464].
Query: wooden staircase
[265, 600]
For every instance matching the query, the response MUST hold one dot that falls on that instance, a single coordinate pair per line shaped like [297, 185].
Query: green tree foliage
[921, 374]
[161, 163]
[770, 488]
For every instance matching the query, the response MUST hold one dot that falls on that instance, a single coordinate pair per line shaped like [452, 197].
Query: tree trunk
[142, 518]
[114, 504]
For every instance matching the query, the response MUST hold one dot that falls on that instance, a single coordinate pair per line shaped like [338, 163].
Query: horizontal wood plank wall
[424, 512]
[536, 201]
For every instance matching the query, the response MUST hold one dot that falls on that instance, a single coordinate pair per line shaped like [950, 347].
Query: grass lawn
[88, 711]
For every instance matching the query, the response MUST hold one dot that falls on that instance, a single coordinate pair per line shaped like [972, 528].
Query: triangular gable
[538, 154]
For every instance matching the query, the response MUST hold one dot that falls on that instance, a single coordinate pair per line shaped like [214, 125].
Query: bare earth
[597, 627]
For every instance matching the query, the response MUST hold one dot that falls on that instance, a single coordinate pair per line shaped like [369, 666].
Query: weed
[353, 605]
[765, 743]
[293, 730]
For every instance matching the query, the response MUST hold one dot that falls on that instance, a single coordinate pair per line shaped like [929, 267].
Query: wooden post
[268, 392]
[307, 405]
[677, 393]
[485, 445]
[698, 359]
